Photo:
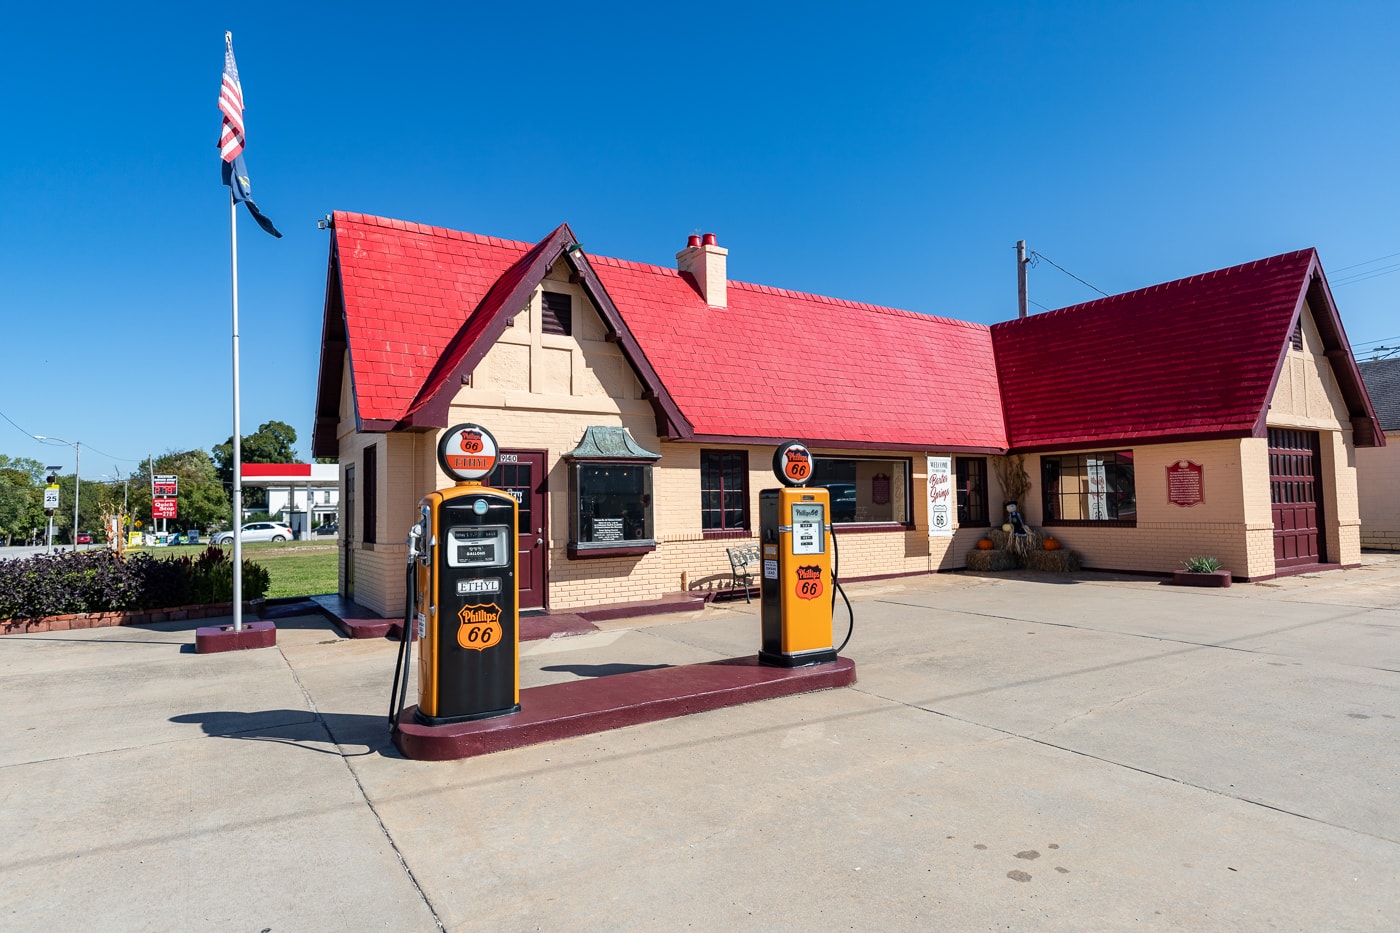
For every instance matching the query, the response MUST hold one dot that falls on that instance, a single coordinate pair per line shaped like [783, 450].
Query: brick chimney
[706, 262]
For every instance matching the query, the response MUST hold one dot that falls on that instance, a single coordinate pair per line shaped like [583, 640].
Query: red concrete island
[581, 707]
[217, 638]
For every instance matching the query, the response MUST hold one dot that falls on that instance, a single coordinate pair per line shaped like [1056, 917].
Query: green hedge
[100, 581]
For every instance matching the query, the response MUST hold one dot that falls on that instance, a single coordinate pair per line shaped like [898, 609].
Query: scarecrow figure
[1020, 539]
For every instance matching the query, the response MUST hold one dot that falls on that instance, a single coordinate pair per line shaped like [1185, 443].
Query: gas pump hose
[399, 694]
[836, 582]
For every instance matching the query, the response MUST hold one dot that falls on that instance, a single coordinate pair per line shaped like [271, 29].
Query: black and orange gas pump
[799, 580]
[463, 592]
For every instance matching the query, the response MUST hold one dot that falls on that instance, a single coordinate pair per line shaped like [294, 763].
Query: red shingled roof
[419, 302]
[778, 363]
[1192, 359]
[417, 307]
[407, 290]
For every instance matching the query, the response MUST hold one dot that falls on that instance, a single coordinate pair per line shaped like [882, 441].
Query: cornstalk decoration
[1012, 477]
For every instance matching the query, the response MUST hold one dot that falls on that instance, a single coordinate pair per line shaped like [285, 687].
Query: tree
[274, 442]
[21, 497]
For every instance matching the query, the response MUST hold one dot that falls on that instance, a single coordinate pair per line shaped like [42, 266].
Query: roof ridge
[632, 264]
[848, 303]
[408, 226]
[1199, 277]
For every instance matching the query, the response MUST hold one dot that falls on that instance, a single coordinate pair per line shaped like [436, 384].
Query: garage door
[1295, 493]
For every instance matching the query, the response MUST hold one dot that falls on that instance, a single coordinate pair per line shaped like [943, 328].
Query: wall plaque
[1185, 483]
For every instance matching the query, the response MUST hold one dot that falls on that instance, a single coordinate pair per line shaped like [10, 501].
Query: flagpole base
[218, 638]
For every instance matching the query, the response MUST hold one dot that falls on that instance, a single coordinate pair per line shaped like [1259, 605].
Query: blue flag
[236, 177]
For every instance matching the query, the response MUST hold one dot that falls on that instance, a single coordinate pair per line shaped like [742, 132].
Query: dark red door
[522, 474]
[1295, 493]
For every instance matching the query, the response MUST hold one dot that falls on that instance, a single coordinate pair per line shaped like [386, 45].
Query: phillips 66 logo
[809, 582]
[481, 627]
[470, 441]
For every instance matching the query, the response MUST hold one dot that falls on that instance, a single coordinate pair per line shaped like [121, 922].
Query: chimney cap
[693, 242]
[709, 240]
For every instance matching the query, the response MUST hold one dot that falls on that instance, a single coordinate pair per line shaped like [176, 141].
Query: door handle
[539, 541]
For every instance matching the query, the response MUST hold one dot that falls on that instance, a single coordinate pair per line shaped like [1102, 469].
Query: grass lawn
[295, 568]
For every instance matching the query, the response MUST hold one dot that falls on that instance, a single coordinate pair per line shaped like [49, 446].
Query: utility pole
[1022, 290]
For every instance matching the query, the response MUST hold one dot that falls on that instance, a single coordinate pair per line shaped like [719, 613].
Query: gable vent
[557, 314]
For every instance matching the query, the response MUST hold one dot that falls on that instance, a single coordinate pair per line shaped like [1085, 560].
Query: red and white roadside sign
[164, 508]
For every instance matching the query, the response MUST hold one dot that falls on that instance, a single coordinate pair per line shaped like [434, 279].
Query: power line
[1369, 274]
[1039, 255]
[1366, 263]
[17, 427]
[31, 436]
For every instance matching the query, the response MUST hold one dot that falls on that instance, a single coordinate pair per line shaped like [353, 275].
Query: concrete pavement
[1089, 752]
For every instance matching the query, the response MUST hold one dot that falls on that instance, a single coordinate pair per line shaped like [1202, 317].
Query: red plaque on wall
[1185, 483]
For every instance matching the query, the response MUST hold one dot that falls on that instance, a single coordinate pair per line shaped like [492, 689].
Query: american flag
[231, 103]
[235, 173]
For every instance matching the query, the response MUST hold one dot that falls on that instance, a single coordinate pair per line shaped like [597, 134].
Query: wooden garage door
[1295, 493]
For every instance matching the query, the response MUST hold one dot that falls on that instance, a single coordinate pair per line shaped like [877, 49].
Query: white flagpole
[237, 437]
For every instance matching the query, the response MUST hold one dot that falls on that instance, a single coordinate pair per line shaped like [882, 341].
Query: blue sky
[889, 153]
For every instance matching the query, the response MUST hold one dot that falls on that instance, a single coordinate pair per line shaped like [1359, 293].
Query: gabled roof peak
[1300, 257]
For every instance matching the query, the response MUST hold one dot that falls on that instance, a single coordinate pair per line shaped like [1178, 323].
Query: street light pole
[77, 480]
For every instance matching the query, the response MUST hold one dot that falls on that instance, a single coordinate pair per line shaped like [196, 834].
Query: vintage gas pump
[798, 585]
[464, 607]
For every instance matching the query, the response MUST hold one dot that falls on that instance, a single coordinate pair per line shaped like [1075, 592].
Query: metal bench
[743, 566]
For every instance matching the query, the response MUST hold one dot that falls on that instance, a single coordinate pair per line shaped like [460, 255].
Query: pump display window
[611, 508]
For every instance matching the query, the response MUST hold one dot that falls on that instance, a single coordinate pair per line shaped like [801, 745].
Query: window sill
[1089, 523]
[727, 533]
[590, 551]
[860, 528]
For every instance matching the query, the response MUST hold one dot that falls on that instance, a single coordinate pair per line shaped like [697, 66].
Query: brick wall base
[82, 620]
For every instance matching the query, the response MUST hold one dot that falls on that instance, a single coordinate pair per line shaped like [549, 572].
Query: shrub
[1201, 564]
[211, 575]
[100, 581]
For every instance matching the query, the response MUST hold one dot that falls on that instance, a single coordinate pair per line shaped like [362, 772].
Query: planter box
[1216, 578]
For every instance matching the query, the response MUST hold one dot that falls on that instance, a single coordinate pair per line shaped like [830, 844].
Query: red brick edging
[81, 620]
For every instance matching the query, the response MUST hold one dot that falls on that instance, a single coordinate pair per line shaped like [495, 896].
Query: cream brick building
[427, 328]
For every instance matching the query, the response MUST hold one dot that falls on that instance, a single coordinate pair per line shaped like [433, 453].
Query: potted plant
[1201, 570]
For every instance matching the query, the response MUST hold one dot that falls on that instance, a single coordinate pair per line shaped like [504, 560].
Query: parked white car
[257, 531]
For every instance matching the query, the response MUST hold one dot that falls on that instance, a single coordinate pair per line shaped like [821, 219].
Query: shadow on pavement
[301, 728]
[602, 670]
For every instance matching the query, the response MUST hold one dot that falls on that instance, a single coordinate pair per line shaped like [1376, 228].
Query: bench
[743, 567]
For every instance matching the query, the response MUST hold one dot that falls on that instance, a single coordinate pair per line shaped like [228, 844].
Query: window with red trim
[724, 490]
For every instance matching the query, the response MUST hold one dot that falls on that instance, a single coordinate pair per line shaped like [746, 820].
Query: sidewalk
[1020, 752]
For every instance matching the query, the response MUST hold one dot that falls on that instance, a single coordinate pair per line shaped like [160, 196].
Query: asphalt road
[13, 553]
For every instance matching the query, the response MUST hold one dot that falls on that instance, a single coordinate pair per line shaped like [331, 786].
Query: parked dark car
[329, 528]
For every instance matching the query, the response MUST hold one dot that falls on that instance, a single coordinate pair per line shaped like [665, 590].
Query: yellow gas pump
[464, 599]
[798, 585]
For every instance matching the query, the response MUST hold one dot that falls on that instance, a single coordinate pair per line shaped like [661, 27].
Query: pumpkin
[1051, 544]
[1006, 528]
[985, 544]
